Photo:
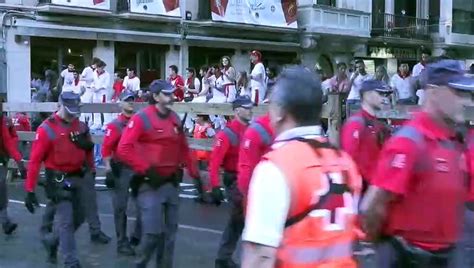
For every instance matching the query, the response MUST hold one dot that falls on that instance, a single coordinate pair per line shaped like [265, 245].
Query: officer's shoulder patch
[109, 132]
[219, 142]
[247, 143]
[356, 134]
[130, 124]
[37, 136]
[399, 161]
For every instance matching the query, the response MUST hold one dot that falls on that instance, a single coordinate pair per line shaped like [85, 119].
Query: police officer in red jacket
[8, 149]
[415, 204]
[256, 142]
[118, 176]
[363, 135]
[154, 146]
[63, 151]
[225, 154]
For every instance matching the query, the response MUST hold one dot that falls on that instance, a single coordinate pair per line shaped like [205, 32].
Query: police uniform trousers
[465, 248]
[68, 217]
[159, 219]
[235, 224]
[90, 206]
[3, 195]
[120, 194]
[386, 256]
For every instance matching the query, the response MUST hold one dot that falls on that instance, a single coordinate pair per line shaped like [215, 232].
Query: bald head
[297, 96]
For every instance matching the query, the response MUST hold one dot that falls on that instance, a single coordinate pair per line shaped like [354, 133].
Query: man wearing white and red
[225, 154]
[100, 87]
[257, 78]
[417, 197]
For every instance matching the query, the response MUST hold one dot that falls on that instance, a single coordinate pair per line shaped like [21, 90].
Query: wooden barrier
[181, 108]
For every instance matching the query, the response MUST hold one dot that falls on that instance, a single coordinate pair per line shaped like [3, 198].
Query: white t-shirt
[417, 69]
[101, 82]
[405, 87]
[258, 82]
[88, 76]
[269, 196]
[131, 84]
[354, 94]
[74, 88]
[68, 78]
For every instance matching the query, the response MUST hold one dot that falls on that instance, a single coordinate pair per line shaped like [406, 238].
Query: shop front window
[463, 16]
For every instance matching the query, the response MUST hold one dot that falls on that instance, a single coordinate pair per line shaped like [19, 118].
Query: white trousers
[87, 97]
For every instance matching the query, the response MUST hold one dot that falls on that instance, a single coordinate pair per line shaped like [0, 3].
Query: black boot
[100, 238]
[9, 227]
[51, 250]
[125, 250]
[226, 264]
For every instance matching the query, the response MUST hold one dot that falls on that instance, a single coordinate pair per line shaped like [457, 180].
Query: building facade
[150, 35]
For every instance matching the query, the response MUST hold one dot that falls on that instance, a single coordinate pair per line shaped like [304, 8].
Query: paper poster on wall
[97, 4]
[156, 7]
[277, 13]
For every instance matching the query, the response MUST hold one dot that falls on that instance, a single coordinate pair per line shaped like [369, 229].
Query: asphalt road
[197, 240]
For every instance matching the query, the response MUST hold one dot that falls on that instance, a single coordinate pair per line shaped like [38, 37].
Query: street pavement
[197, 241]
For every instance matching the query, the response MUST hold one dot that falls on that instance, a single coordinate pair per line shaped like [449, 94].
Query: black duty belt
[59, 176]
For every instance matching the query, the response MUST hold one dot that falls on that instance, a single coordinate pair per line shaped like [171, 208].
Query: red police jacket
[152, 139]
[21, 122]
[54, 147]
[256, 142]
[470, 163]
[9, 140]
[424, 167]
[113, 132]
[361, 139]
[225, 152]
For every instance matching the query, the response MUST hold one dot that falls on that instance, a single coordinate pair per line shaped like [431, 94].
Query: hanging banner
[96, 4]
[156, 7]
[277, 13]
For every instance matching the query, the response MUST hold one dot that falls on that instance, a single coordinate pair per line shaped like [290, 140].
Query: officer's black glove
[82, 140]
[22, 169]
[200, 188]
[31, 202]
[110, 179]
[217, 196]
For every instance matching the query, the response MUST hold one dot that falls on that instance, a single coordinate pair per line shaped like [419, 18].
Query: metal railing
[390, 25]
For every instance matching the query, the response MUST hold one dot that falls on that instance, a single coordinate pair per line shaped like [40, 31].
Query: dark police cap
[127, 96]
[160, 85]
[242, 101]
[375, 85]
[448, 73]
[71, 102]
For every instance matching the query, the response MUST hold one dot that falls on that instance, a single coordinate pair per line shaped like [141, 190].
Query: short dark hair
[132, 69]
[298, 92]
[359, 61]
[191, 70]
[101, 64]
[174, 68]
[340, 64]
[204, 68]
[426, 51]
[96, 60]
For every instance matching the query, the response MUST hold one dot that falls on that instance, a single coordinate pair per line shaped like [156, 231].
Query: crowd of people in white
[219, 83]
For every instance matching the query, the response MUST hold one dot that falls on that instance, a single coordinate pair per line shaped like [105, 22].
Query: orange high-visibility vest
[200, 132]
[324, 237]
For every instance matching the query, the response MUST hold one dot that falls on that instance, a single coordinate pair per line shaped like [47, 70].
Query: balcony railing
[389, 25]
[332, 20]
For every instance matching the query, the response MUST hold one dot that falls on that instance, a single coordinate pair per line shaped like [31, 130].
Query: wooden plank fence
[332, 111]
